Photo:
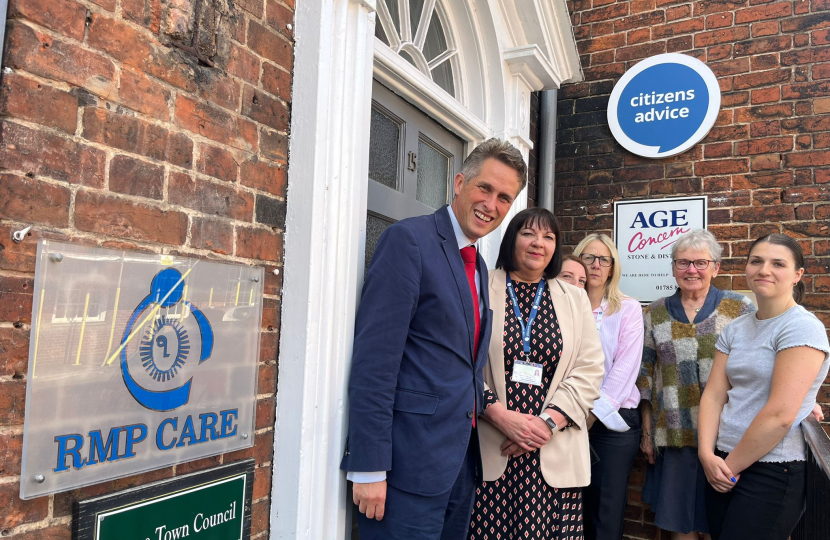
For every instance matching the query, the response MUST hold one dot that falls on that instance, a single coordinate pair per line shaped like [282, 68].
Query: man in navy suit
[421, 339]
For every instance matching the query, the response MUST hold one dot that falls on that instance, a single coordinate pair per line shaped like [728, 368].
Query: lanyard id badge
[525, 371]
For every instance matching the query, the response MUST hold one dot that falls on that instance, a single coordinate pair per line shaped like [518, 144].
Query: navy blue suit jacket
[414, 379]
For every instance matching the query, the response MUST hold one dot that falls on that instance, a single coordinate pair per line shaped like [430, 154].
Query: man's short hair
[499, 150]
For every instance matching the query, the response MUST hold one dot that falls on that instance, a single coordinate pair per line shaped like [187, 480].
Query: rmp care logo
[664, 105]
[165, 344]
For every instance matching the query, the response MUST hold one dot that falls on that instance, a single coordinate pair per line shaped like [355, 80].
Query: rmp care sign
[644, 232]
[137, 361]
[664, 105]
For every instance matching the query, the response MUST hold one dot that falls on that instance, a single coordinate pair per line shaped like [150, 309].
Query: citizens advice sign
[644, 232]
[137, 361]
[664, 105]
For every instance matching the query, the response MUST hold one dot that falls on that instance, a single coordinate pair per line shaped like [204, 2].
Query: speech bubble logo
[664, 105]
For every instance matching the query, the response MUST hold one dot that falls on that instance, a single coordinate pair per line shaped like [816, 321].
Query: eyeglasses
[603, 261]
[700, 264]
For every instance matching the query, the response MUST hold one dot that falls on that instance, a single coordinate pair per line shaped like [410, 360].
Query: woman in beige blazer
[534, 440]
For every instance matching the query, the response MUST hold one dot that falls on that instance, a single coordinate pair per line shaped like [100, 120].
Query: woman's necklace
[696, 309]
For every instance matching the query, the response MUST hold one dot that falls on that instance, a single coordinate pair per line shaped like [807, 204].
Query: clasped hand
[718, 473]
[524, 432]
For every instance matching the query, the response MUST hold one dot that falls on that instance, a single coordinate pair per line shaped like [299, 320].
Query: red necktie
[468, 255]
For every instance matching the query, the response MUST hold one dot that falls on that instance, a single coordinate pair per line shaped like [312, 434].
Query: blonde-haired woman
[615, 438]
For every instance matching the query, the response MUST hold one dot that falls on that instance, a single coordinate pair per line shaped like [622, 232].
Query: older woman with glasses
[679, 349]
[616, 436]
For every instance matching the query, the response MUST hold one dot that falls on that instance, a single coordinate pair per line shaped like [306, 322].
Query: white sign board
[644, 231]
[137, 361]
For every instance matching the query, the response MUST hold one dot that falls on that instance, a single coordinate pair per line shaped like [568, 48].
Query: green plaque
[212, 511]
[209, 505]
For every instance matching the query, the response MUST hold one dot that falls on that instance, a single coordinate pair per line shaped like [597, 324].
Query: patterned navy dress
[520, 504]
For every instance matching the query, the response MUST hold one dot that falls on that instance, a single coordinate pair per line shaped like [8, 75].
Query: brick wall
[764, 166]
[147, 125]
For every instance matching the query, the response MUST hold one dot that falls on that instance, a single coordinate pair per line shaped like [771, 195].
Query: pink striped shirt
[621, 334]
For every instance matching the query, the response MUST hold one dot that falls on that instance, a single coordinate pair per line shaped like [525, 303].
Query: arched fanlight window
[414, 30]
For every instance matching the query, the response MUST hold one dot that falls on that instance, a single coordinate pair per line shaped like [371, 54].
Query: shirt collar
[460, 238]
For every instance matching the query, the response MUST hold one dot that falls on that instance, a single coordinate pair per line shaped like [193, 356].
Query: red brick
[210, 198]
[717, 6]
[603, 43]
[640, 35]
[270, 45]
[820, 37]
[218, 163]
[267, 379]
[807, 159]
[213, 234]
[63, 16]
[766, 95]
[764, 12]
[32, 201]
[208, 121]
[761, 29]
[276, 81]
[807, 194]
[775, 213]
[762, 78]
[259, 175]
[717, 150]
[180, 150]
[262, 482]
[805, 23]
[718, 167]
[765, 112]
[46, 154]
[801, 125]
[764, 146]
[107, 215]
[636, 52]
[764, 129]
[716, 37]
[14, 356]
[821, 71]
[258, 243]
[729, 232]
[681, 27]
[807, 90]
[16, 511]
[138, 50]
[274, 145]
[764, 45]
[279, 18]
[42, 55]
[136, 177]
[27, 99]
[605, 13]
[147, 13]
[243, 64]
[15, 306]
[763, 197]
[730, 67]
[125, 132]
[822, 211]
[637, 21]
[719, 20]
[259, 517]
[264, 109]
[254, 7]
[11, 448]
[144, 95]
[222, 91]
[678, 12]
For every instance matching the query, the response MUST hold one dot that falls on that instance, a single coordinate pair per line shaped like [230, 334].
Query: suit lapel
[452, 252]
[498, 288]
[486, 318]
[565, 317]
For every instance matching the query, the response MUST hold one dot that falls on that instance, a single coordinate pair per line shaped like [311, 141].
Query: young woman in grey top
[764, 381]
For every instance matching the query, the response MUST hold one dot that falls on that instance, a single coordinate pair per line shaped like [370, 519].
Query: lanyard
[525, 329]
[598, 317]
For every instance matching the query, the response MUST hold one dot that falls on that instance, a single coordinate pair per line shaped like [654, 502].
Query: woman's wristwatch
[549, 421]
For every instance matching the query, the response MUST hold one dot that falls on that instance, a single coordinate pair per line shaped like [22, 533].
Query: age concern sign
[137, 361]
[644, 232]
[664, 105]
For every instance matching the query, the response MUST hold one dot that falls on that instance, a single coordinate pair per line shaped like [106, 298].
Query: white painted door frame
[336, 57]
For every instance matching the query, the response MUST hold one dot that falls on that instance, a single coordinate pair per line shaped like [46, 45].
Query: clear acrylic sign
[136, 362]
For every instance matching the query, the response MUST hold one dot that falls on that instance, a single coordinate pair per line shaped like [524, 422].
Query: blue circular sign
[664, 105]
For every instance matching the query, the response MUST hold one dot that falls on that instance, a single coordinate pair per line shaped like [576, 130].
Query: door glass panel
[380, 34]
[384, 146]
[375, 225]
[433, 174]
[408, 57]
